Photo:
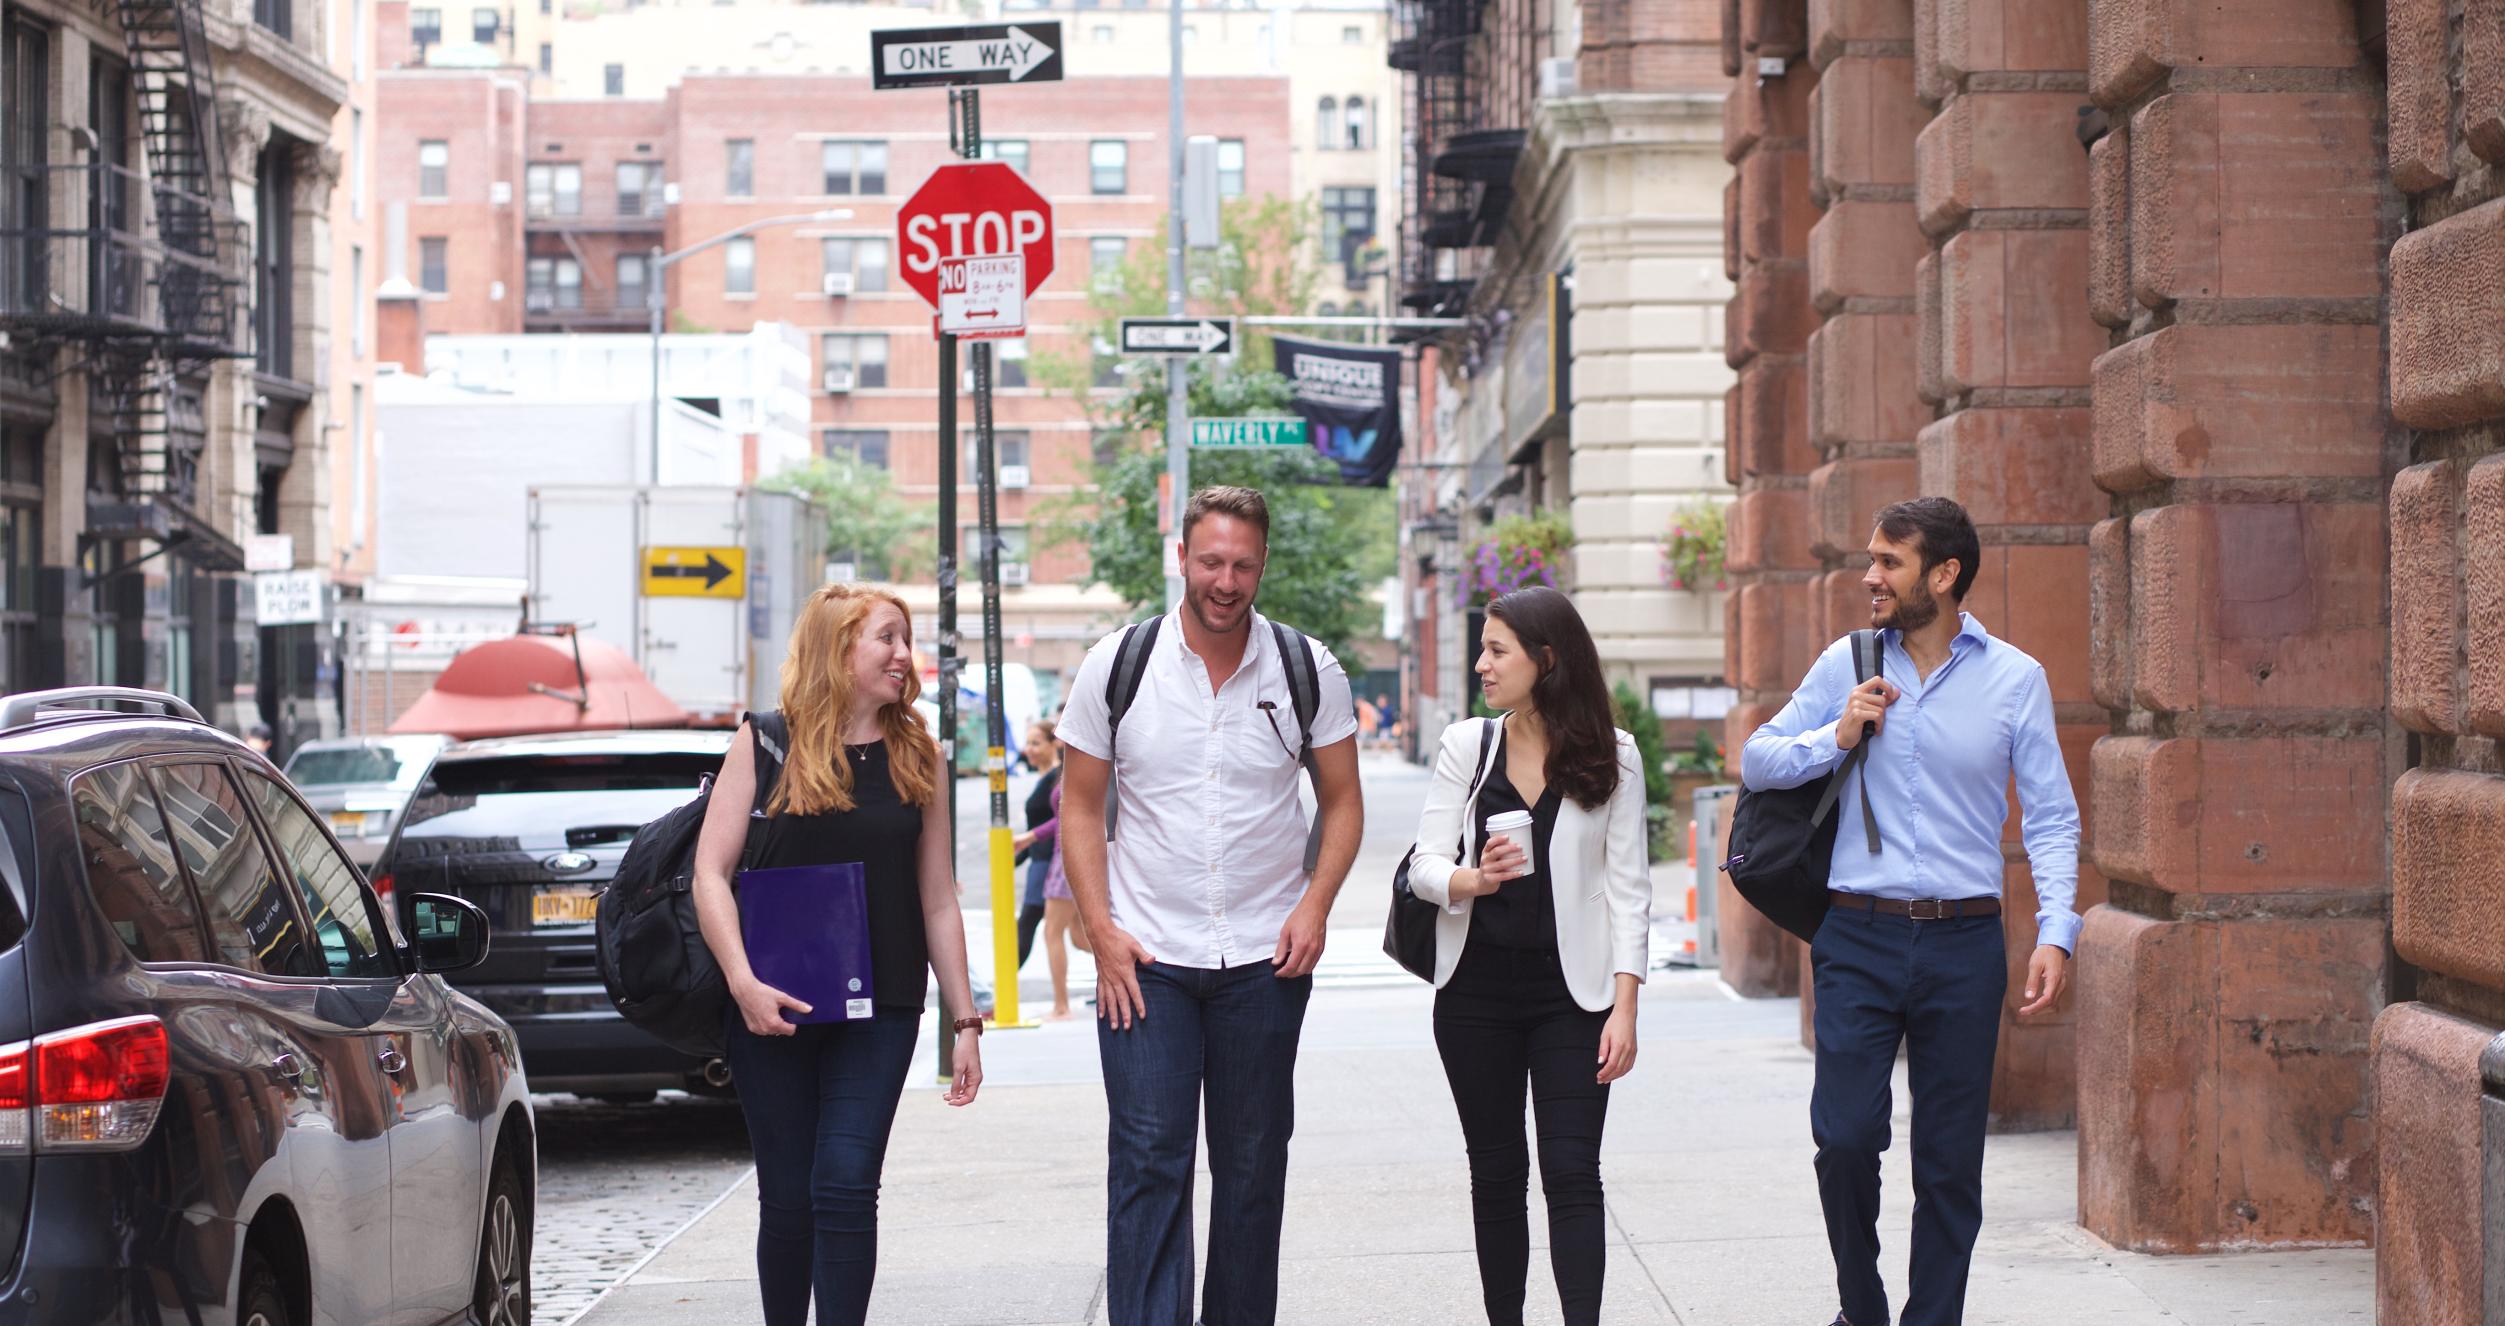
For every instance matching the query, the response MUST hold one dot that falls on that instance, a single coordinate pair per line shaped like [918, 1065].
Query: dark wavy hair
[1571, 695]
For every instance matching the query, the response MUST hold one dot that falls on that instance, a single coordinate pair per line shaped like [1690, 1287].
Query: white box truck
[700, 585]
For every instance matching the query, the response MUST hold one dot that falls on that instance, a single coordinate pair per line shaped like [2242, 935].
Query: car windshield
[374, 762]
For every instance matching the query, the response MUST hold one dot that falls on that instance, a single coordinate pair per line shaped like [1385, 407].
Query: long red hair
[817, 694]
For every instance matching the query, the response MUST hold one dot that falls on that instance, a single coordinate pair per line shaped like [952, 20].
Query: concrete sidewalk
[995, 1214]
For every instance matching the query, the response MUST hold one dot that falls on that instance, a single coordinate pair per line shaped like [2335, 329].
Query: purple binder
[807, 929]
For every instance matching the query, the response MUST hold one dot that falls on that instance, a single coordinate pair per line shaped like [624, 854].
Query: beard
[1197, 604]
[1910, 614]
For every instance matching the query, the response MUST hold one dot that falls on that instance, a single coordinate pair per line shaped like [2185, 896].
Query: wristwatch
[974, 1025]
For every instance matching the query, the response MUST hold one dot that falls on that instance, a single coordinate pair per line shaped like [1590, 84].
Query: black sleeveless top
[1520, 913]
[885, 836]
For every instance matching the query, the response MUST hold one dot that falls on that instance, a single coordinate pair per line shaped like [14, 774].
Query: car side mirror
[450, 934]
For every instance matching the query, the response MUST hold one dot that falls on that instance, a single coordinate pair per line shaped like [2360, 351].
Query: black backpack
[1783, 838]
[652, 952]
[1304, 694]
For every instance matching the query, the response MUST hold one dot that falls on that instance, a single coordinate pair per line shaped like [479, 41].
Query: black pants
[1031, 901]
[1503, 1020]
[1935, 986]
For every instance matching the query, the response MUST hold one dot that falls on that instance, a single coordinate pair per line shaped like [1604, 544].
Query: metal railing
[109, 274]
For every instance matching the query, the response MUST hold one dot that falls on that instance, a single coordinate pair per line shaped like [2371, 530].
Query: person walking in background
[1911, 951]
[859, 782]
[1062, 931]
[1035, 846]
[1203, 918]
[1542, 946]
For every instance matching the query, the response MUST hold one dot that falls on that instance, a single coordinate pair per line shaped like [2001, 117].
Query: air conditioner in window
[500, 193]
[1557, 76]
[1013, 476]
[838, 285]
[839, 380]
[1013, 573]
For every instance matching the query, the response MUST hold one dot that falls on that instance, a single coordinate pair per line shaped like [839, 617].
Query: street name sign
[983, 298]
[1249, 433]
[1178, 336]
[969, 56]
[972, 209]
[711, 573]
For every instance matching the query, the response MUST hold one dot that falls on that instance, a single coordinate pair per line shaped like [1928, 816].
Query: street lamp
[660, 263]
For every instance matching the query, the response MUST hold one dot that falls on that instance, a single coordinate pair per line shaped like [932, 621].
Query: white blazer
[1597, 874]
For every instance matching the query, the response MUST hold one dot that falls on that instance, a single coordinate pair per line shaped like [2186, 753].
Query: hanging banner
[1351, 397]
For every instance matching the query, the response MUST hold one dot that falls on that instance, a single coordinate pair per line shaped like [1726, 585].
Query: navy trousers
[1936, 987]
[1224, 1040]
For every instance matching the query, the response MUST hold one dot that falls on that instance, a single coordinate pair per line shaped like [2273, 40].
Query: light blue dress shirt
[1938, 776]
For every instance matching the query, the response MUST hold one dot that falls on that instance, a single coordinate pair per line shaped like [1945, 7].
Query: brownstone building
[540, 215]
[2196, 307]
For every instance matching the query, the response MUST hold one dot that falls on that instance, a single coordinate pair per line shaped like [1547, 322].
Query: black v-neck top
[885, 836]
[1521, 913]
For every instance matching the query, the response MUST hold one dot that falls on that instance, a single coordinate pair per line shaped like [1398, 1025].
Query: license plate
[569, 907]
[347, 821]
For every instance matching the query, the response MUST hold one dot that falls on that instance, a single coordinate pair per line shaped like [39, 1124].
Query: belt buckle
[1929, 909]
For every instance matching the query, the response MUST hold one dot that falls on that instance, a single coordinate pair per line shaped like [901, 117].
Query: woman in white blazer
[1541, 946]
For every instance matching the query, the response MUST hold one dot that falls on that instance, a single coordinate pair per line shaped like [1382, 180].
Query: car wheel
[263, 1303]
[502, 1296]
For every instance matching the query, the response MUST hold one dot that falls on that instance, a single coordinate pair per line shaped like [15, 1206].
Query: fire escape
[1465, 135]
[136, 278]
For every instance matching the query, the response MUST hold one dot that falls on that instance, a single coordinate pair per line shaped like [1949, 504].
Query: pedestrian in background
[1204, 921]
[1035, 846]
[860, 782]
[1911, 951]
[1062, 931]
[1542, 946]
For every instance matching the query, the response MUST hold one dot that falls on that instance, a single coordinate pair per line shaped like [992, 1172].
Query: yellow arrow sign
[712, 573]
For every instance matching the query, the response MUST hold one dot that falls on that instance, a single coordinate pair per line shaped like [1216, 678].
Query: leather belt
[1920, 909]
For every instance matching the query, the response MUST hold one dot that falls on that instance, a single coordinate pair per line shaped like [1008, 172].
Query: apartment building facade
[166, 344]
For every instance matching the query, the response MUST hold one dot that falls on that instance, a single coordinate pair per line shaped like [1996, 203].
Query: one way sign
[700, 572]
[966, 57]
[1178, 336]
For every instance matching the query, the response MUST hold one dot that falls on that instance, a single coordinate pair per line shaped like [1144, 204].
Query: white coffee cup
[1513, 826]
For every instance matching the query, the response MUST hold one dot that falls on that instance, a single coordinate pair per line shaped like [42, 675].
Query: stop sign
[973, 209]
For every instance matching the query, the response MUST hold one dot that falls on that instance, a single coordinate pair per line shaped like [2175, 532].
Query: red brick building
[539, 215]
[2196, 307]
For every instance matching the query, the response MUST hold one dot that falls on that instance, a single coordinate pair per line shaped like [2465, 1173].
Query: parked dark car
[228, 1091]
[530, 829]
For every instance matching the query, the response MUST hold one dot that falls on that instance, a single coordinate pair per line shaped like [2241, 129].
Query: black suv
[228, 1092]
[530, 829]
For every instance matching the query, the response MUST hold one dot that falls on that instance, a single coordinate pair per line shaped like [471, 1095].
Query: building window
[426, 27]
[433, 275]
[1230, 167]
[1010, 150]
[1360, 133]
[552, 283]
[739, 267]
[1008, 367]
[483, 25]
[1352, 35]
[276, 15]
[1108, 166]
[434, 169]
[356, 164]
[1105, 445]
[1106, 366]
[631, 281]
[273, 261]
[1014, 545]
[613, 80]
[25, 93]
[639, 188]
[851, 166]
[1102, 32]
[21, 551]
[1326, 124]
[1105, 254]
[1013, 445]
[865, 259]
[547, 58]
[553, 188]
[864, 357]
[739, 167]
[1347, 223]
[866, 446]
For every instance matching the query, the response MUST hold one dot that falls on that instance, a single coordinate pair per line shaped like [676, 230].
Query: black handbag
[1409, 931]
[1783, 838]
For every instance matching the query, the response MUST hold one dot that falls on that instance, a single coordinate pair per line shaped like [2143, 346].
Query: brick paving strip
[617, 1183]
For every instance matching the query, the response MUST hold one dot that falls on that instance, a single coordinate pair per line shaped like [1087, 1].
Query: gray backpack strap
[1869, 657]
[1304, 695]
[1130, 663]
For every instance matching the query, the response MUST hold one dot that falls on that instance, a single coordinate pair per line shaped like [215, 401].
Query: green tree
[886, 537]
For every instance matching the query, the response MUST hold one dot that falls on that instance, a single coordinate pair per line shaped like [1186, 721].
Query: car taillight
[16, 1098]
[97, 1087]
[382, 889]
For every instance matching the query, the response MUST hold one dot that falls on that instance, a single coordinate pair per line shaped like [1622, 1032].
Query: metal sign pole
[1178, 391]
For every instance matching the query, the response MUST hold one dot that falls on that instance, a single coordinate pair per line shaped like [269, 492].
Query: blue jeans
[1937, 987]
[1224, 1040]
[820, 1103]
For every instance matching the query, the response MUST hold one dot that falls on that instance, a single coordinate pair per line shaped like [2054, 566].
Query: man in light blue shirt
[1911, 951]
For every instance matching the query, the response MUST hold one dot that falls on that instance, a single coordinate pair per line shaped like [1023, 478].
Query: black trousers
[1505, 1020]
[1936, 987]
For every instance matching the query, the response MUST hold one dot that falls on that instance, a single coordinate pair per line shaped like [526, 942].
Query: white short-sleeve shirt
[1210, 853]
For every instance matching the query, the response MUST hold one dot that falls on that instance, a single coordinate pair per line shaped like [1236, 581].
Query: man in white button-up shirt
[1206, 926]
